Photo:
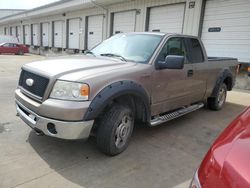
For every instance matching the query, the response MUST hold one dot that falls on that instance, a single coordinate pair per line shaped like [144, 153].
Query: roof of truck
[160, 34]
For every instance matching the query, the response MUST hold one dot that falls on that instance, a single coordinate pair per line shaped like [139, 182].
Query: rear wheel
[217, 102]
[20, 52]
[115, 130]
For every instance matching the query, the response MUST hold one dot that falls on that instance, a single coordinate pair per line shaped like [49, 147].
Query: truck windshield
[128, 47]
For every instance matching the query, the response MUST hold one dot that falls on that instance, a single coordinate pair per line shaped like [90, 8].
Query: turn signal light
[84, 90]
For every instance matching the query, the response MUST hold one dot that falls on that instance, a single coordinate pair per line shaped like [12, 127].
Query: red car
[227, 163]
[13, 48]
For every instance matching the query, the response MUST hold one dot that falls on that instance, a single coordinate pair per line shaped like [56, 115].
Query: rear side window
[195, 51]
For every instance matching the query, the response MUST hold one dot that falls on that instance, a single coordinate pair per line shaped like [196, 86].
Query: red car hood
[227, 162]
[236, 168]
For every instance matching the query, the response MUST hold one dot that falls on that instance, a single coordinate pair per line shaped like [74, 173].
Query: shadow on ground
[162, 156]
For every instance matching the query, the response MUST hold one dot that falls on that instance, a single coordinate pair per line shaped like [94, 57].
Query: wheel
[115, 129]
[20, 52]
[217, 102]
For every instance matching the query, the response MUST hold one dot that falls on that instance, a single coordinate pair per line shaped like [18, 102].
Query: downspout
[203, 6]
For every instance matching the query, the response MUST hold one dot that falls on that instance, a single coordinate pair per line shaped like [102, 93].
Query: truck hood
[71, 64]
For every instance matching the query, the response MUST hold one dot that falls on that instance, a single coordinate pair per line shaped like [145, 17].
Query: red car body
[13, 48]
[227, 163]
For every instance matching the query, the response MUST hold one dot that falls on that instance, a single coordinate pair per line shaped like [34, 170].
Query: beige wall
[190, 25]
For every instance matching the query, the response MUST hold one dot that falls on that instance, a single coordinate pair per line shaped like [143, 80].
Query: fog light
[51, 128]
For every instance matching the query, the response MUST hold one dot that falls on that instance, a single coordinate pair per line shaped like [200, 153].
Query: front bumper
[55, 128]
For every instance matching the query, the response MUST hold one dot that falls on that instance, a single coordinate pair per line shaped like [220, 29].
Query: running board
[167, 117]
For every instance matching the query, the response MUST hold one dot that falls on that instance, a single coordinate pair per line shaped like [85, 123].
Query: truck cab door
[200, 73]
[171, 87]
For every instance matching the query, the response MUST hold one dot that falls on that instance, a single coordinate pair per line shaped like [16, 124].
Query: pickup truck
[133, 77]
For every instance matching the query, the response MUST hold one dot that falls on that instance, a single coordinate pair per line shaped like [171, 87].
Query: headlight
[66, 90]
[195, 183]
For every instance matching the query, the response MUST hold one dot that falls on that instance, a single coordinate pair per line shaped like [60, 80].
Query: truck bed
[220, 58]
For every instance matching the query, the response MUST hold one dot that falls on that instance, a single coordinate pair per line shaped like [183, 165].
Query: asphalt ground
[163, 156]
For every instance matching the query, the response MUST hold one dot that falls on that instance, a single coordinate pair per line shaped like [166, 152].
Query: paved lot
[164, 156]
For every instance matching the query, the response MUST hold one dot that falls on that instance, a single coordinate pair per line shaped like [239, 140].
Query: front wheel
[115, 130]
[217, 102]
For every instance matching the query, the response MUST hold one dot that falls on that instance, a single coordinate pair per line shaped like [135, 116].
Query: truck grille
[39, 83]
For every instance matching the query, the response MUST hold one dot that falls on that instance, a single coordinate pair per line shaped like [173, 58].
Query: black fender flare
[114, 90]
[225, 73]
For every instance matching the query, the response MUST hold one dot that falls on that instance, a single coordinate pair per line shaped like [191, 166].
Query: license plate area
[26, 114]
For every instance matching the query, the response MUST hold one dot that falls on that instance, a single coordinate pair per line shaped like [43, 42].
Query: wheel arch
[225, 76]
[125, 92]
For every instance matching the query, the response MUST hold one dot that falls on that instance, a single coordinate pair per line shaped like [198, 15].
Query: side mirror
[172, 62]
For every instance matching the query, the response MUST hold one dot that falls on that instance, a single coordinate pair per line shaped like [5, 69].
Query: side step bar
[167, 117]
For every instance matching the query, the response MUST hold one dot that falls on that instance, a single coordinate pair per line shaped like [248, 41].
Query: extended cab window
[195, 51]
[174, 46]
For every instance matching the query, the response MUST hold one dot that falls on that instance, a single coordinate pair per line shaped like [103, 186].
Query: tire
[217, 102]
[115, 129]
[20, 52]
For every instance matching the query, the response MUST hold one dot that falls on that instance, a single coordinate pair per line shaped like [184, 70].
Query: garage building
[226, 28]
[74, 26]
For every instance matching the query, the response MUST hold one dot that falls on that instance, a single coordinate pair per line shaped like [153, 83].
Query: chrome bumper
[61, 129]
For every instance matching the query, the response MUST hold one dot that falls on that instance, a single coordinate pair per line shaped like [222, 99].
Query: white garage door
[124, 22]
[73, 33]
[226, 28]
[167, 18]
[27, 36]
[13, 31]
[58, 34]
[35, 34]
[95, 30]
[18, 33]
[45, 34]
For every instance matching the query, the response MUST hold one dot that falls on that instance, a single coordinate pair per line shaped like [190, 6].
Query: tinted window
[196, 53]
[7, 45]
[10, 45]
[174, 46]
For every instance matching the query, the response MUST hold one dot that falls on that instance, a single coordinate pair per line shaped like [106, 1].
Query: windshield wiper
[89, 52]
[114, 55]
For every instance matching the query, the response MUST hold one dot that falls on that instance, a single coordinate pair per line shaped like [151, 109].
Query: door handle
[190, 73]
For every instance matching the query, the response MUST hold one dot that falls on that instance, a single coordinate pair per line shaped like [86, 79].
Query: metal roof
[7, 9]
[57, 7]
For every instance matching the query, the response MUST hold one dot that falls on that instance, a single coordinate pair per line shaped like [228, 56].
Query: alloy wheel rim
[221, 96]
[122, 131]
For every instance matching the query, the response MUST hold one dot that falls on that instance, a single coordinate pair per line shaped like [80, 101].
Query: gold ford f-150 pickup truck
[146, 77]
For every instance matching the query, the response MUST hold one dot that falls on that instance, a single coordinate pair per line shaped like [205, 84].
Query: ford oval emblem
[29, 82]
